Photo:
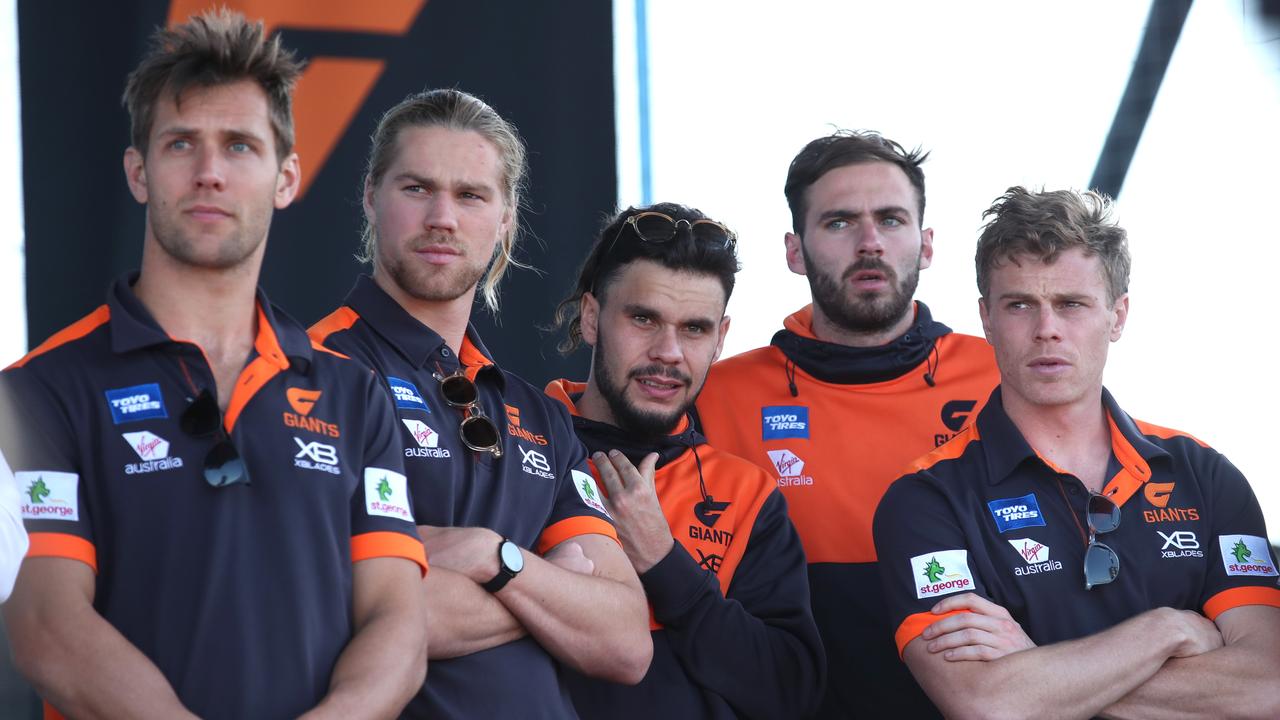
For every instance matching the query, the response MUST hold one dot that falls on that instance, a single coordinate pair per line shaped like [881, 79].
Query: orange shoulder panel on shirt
[340, 319]
[74, 331]
[1166, 433]
[1240, 596]
[913, 625]
[949, 450]
[388, 544]
[573, 527]
[62, 545]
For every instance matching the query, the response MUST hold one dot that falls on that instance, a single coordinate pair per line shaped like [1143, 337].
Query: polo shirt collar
[134, 328]
[1005, 448]
[416, 342]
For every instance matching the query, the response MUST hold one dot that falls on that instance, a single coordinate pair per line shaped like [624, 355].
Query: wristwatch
[510, 563]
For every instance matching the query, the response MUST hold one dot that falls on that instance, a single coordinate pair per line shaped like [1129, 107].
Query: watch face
[512, 557]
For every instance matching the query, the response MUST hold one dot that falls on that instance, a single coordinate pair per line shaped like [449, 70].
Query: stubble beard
[626, 415]
[423, 282]
[230, 252]
[862, 312]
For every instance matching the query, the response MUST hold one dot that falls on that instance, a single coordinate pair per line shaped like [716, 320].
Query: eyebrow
[232, 134]
[878, 212]
[1056, 297]
[637, 309]
[479, 188]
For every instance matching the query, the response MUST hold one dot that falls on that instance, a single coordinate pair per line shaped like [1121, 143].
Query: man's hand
[569, 556]
[986, 631]
[471, 551]
[1201, 635]
[633, 503]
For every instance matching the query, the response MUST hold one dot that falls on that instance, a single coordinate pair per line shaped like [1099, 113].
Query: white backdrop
[1002, 92]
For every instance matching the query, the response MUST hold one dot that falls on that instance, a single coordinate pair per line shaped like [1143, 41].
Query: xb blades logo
[535, 459]
[317, 452]
[1157, 493]
[38, 491]
[933, 570]
[1181, 539]
[955, 412]
[708, 511]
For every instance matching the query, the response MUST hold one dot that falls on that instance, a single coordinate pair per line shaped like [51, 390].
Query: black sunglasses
[1101, 564]
[223, 465]
[655, 227]
[477, 431]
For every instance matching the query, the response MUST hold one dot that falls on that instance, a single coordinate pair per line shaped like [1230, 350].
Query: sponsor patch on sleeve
[49, 495]
[386, 494]
[587, 490]
[140, 402]
[407, 395]
[1246, 555]
[784, 421]
[1015, 513]
[941, 573]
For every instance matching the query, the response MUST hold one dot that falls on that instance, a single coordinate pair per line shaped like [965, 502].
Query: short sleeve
[13, 538]
[578, 508]
[922, 555]
[1241, 567]
[41, 450]
[382, 521]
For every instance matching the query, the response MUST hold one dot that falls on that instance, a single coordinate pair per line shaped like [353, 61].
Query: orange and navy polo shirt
[539, 493]
[241, 595]
[987, 514]
[733, 635]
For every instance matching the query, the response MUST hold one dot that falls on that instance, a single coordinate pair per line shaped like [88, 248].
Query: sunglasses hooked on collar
[476, 430]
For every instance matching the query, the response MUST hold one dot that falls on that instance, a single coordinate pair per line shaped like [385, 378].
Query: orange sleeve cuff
[573, 527]
[388, 544]
[911, 628]
[72, 547]
[1236, 597]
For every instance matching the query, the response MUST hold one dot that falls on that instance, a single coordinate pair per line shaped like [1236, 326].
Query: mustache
[660, 371]
[870, 263]
[437, 238]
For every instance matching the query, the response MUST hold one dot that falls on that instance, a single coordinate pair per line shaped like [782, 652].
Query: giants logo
[303, 402]
[1158, 495]
[513, 427]
[331, 89]
[954, 414]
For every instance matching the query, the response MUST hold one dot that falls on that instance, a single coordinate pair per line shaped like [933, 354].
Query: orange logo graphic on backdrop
[331, 89]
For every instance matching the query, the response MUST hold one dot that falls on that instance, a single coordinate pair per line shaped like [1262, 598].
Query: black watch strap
[505, 571]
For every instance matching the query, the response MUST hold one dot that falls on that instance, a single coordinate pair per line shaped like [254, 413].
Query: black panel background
[547, 67]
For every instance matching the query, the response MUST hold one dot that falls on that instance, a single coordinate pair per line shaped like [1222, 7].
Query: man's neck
[828, 331]
[1075, 437]
[216, 309]
[592, 405]
[447, 318]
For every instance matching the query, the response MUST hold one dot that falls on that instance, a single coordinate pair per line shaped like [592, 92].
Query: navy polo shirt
[539, 493]
[241, 595]
[985, 513]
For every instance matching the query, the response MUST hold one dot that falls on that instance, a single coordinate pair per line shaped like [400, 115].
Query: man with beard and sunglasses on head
[708, 532]
[1135, 557]
[853, 388]
[218, 514]
[526, 569]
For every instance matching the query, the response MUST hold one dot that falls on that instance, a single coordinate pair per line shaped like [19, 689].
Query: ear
[795, 254]
[1121, 311]
[135, 174]
[926, 248]
[589, 318]
[288, 180]
[724, 330]
[985, 313]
